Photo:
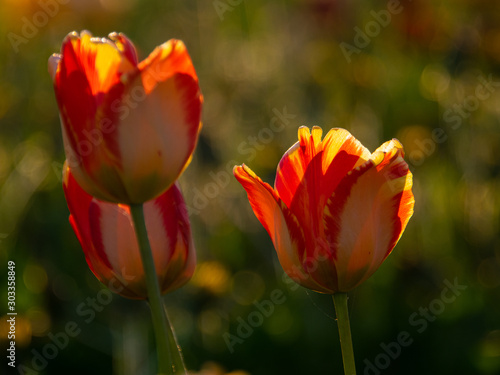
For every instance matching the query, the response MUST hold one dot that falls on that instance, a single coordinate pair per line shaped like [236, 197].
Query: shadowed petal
[265, 205]
[167, 220]
[281, 225]
[79, 204]
[107, 235]
[87, 82]
[367, 214]
[155, 153]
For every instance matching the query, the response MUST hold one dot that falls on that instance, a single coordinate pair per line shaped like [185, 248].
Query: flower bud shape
[107, 235]
[129, 128]
[336, 210]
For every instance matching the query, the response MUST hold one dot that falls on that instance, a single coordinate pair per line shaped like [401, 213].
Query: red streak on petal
[98, 235]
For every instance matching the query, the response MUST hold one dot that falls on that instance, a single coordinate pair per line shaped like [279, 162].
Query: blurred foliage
[266, 68]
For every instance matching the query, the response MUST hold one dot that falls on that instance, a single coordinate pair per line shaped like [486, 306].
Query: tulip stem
[170, 361]
[340, 302]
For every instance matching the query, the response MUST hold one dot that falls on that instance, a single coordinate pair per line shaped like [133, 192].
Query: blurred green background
[265, 68]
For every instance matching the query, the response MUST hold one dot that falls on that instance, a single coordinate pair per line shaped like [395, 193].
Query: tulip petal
[165, 61]
[155, 153]
[88, 85]
[166, 216]
[281, 225]
[104, 178]
[79, 203]
[341, 153]
[265, 205]
[305, 166]
[367, 214]
[53, 65]
[296, 163]
[90, 66]
[310, 171]
[107, 236]
[160, 122]
[125, 46]
[114, 237]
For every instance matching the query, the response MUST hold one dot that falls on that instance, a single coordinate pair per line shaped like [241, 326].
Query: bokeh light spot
[247, 287]
[434, 82]
[35, 278]
[280, 321]
[210, 322]
[212, 276]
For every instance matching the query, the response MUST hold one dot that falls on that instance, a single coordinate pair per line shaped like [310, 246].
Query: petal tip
[53, 65]
[237, 169]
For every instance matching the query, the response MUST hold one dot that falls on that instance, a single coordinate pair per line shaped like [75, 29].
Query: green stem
[170, 360]
[340, 301]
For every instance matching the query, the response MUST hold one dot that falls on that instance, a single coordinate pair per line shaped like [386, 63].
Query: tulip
[336, 210]
[129, 128]
[108, 238]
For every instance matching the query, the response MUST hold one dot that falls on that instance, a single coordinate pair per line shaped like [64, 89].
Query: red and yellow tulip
[129, 127]
[108, 238]
[336, 210]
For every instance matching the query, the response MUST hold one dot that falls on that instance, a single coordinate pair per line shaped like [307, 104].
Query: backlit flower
[336, 210]
[107, 235]
[129, 127]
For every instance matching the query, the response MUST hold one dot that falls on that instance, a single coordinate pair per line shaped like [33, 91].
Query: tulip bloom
[107, 235]
[336, 210]
[129, 127]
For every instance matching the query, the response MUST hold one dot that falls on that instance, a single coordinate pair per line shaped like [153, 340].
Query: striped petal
[125, 46]
[79, 203]
[265, 205]
[157, 138]
[129, 128]
[167, 219]
[281, 225]
[300, 166]
[115, 241]
[310, 171]
[91, 63]
[106, 233]
[341, 153]
[367, 214]
[165, 61]
[87, 69]
[87, 82]
[314, 167]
